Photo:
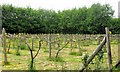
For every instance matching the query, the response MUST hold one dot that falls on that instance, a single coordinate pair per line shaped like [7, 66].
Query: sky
[60, 4]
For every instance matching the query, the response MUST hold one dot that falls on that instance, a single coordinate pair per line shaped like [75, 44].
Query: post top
[3, 31]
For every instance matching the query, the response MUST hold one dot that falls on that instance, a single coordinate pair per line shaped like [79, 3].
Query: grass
[5, 63]
[75, 53]
[21, 62]
[58, 59]
[46, 51]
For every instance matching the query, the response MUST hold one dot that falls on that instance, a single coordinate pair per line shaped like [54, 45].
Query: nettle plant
[99, 59]
[84, 58]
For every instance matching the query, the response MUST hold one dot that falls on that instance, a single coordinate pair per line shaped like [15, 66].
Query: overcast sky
[60, 4]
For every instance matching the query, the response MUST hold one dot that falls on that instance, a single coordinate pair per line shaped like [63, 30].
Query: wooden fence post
[118, 47]
[4, 45]
[0, 60]
[108, 50]
[0, 38]
[71, 42]
[49, 44]
[118, 63]
[79, 45]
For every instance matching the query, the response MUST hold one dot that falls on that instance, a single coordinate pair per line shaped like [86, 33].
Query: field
[73, 51]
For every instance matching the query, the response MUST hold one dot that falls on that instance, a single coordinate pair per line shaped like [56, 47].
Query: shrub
[18, 53]
[23, 47]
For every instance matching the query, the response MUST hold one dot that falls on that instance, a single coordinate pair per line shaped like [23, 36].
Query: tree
[99, 17]
[83, 20]
[33, 56]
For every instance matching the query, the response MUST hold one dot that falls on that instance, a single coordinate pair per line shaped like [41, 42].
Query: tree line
[92, 20]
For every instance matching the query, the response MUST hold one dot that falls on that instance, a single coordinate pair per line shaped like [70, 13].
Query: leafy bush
[23, 47]
[84, 20]
[17, 53]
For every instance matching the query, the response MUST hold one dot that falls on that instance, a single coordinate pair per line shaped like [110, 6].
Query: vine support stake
[4, 45]
[49, 45]
[108, 50]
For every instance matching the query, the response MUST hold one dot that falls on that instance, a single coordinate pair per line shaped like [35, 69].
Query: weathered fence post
[78, 39]
[4, 45]
[18, 44]
[108, 50]
[79, 45]
[118, 47]
[49, 44]
[0, 38]
[118, 63]
[71, 40]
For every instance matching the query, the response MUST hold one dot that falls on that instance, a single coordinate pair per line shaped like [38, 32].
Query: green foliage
[101, 53]
[9, 52]
[58, 59]
[23, 47]
[32, 69]
[75, 53]
[99, 59]
[46, 51]
[77, 20]
[118, 68]
[84, 57]
[5, 63]
[115, 25]
[18, 53]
